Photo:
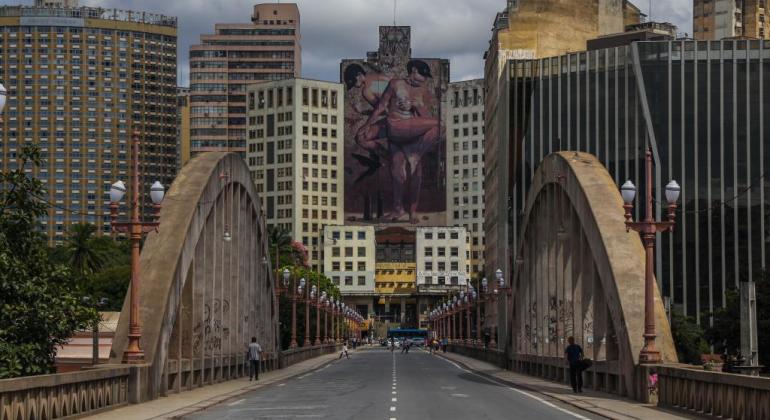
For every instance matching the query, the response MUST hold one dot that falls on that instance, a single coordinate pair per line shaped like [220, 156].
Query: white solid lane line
[534, 397]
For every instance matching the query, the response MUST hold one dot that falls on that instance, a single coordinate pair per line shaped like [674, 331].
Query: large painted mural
[395, 137]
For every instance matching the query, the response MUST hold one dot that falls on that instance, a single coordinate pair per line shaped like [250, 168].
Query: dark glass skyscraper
[702, 107]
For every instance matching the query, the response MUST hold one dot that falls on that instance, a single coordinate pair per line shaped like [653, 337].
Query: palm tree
[86, 255]
[280, 242]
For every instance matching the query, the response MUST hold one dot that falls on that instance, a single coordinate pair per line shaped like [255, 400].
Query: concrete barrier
[495, 357]
[65, 394]
[713, 394]
[299, 354]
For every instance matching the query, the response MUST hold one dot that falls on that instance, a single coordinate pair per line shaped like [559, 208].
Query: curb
[528, 388]
[222, 398]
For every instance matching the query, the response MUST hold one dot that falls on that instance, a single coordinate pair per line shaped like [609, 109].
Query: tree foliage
[688, 337]
[40, 303]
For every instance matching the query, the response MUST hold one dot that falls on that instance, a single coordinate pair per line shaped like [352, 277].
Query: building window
[454, 266]
[428, 235]
[441, 280]
[361, 266]
[441, 251]
[454, 235]
[428, 252]
[348, 265]
[361, 236]
[428, 265]
[336, 280]
[361, 281]
[336, 251]
[454, 281]
[454, 251]
[348, 280]
[348, 251]
[335, 266]
[428, 279]
[361, 251]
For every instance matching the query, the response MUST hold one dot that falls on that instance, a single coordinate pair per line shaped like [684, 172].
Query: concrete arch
[203, 298]
[577, 272]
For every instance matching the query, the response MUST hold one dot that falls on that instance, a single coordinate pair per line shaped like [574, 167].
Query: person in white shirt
[255, 351]
[344, 351]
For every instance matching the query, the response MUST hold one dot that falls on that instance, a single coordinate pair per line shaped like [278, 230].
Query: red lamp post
[136, 229]
[648, 228]
[306, 297]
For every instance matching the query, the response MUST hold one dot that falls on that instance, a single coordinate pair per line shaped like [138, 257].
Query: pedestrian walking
[344, 351]
[254, 353]
[444, 344]
[392, 344]
[574, 356]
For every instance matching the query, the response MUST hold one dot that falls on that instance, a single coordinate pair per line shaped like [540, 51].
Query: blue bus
[418, 336]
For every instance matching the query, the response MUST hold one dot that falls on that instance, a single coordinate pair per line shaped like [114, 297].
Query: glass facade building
[702, 108]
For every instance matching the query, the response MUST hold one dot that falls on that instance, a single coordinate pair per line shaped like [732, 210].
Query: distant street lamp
[136, 229]
[648, 228]
[3, 97]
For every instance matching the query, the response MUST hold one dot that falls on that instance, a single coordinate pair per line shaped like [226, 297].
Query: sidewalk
[600, 403]
[187, 402]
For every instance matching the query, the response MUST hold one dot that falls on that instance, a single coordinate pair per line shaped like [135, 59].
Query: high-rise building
[182, 126]
[529, 29]
[295, 149]
[80, 81]
[395, 150]
[465, 165]
[702, 107]
[224, 63]
[718, 19]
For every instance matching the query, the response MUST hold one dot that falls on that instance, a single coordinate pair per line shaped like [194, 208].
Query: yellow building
[396, 284]
[80, 80]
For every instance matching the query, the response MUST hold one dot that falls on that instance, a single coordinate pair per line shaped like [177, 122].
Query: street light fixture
[136, 229]
[648, 229]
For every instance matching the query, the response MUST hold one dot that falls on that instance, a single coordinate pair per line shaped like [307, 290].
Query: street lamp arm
[650, 227]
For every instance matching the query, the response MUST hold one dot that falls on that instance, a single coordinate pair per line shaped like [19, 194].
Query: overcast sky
[334, 29]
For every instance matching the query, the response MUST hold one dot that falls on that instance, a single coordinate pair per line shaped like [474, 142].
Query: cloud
[335, 29]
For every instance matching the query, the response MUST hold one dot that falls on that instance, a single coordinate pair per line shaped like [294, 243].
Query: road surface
[377, 384]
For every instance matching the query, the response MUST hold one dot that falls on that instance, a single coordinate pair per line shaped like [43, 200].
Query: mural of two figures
[395, 137]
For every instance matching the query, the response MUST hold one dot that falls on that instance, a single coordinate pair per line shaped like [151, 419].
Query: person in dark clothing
[574, 355]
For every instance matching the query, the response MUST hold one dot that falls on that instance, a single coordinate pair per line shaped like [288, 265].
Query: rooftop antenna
[650, 12]
[394, 12]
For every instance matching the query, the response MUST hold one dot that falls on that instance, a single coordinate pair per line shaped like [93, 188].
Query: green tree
[39, 306]
[688, 338]
[86, 252]
[725, 332]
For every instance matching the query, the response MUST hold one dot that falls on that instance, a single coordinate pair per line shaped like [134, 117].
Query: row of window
[441, 235]
[474, 117]
[349, 280]
[360, 266]
[336, 251]
[441, 251]
[441, 280]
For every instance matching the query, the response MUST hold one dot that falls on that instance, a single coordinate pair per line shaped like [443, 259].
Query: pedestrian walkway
[600, 403]
[178, 405]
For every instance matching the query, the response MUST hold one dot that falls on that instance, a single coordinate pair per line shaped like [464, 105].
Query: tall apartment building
[182, 126]
[348, 260]
[79, 81]
[442, 260]
[465, 165]
[717, 19]
[295, 149]
[224, 63]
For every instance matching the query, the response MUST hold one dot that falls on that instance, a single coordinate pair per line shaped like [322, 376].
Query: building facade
[442, 257]
[236, 55]
[295, 150]
[717, 19]
[349, 261]
[182, 126]
[529, 29]
[702, 108]
[395, 276]
[80, 80]
[465, 165]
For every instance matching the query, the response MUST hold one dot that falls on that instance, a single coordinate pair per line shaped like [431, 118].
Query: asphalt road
[377, 384]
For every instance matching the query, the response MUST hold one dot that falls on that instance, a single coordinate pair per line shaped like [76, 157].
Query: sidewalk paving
[600, 403]
[197, 399]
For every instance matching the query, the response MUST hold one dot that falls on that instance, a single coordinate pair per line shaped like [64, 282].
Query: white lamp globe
[117, 191]
[628, 191]
[157, 191]
[672, 192]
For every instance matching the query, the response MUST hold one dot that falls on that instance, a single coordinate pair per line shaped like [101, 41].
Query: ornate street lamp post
[479, 302]
[318, 315]
[500, 285]
[306, 297]
[467, 304]
[648, 228]
[136, 229]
